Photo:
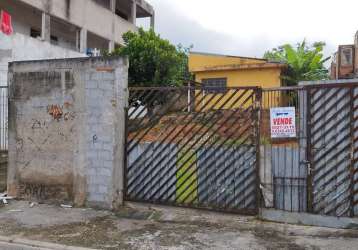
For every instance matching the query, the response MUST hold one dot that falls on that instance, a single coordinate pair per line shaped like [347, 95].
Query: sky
[251, 27]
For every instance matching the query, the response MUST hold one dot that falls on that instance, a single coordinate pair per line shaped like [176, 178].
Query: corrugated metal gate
[212, 148]
[332, 148]
[195, 147]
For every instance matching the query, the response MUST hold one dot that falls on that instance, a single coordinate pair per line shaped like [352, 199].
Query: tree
[154, 61]
[305, 62]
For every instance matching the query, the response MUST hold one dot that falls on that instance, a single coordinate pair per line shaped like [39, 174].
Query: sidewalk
[10, 243]
[142, 226]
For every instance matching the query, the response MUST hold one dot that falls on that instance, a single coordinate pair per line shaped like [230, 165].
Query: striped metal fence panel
[180, 140]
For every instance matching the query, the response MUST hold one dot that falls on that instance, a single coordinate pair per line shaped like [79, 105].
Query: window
[121, 14]
[104, 3]
[214, 85]
[347, 56]
[54, 40]
[35, 33]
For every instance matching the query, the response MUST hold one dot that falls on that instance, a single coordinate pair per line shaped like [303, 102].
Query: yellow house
[221, 71]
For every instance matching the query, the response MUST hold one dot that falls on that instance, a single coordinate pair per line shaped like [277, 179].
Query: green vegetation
[154, 61]
[305, 62]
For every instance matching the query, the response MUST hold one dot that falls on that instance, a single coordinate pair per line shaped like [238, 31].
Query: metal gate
[195, 147]
[283, 162]
[332, 151]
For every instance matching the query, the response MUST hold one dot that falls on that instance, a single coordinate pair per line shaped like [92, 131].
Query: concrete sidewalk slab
[275, 215]
[13, 243]
[146, 227]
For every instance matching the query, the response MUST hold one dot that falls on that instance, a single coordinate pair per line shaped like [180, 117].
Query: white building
[44, 29]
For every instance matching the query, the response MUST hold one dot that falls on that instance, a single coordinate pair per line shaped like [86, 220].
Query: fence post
[309, 149]
[257, 120]
[125, 156]
[351, 167]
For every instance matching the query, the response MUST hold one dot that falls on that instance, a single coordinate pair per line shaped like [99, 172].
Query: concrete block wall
[66, 130]
[100, 97]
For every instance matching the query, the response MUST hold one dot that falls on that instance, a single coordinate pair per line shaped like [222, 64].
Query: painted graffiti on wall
[44, 192]
[55, 111]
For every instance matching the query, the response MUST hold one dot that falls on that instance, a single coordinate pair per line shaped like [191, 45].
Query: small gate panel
[330, 137]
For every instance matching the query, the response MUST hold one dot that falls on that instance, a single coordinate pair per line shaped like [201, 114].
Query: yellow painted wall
[204, 60]
[263, 77]
[260, 77]
[266, 77]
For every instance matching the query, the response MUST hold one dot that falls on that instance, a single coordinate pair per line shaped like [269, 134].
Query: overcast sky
[250, 27]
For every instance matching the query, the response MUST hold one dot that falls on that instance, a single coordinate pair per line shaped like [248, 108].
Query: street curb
[308, 219]
[38, 244]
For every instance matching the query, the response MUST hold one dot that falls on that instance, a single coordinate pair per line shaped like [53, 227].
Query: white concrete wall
[88, 15]
[3, 71]
[23, 17]
[19, 47]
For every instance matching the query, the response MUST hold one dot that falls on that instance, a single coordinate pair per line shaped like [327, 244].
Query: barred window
[214, 85]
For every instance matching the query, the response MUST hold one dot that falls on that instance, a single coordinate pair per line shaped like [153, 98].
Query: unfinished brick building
[345, 61]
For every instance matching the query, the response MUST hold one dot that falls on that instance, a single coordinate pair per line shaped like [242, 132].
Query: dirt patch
[339, 234]
[96, 233]
[130, 213]
[273, 239]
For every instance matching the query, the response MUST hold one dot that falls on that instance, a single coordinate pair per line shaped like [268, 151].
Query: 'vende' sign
[283, 122]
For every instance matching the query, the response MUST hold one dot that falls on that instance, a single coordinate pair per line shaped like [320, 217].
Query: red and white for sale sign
[283, 122]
